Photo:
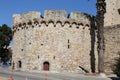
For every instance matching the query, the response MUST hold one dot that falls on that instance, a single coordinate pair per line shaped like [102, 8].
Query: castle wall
[64, 42]
[112, 46]
[112, 16]
[111, 33]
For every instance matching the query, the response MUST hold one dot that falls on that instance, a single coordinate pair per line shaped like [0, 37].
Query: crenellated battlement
[55, 14]
[29, 16]
[51, 16]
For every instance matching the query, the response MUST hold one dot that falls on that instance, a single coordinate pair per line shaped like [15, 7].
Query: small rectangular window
[68, 46]
[68, 41]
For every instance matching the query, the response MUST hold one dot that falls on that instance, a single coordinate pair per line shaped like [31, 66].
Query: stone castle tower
[61, 43]
[54, 43]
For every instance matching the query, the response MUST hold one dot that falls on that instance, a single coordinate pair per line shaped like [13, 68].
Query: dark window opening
[68, 46]
[68, 41]
[119, 11]
[38, 57]
[41, 44]
[19, 64]
[70, 26]
[53, 57]
[21, 49]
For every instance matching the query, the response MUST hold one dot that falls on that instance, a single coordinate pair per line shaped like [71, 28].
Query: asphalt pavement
[35, 75]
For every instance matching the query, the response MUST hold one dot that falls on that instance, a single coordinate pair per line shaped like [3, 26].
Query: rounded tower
[52, 43]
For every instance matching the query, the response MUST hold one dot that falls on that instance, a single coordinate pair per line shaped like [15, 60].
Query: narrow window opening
[119, 11]
[68, 43]
[38, 57]
[19, 64]
[53, 57]
[68, 46]
[70, 26]
[21, 49]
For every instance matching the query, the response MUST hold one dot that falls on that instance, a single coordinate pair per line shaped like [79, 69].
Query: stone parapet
[55, 14]
[82, 17]
[29, 16]
[51, 16]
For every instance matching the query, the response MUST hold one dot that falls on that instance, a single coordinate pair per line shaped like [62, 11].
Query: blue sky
[10, 7]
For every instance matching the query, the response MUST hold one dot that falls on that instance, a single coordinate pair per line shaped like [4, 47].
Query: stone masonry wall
[112, 46]
[63, 42]
[112, 16]
[112, 33]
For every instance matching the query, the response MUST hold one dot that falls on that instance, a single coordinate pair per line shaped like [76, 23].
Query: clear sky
[10, 7]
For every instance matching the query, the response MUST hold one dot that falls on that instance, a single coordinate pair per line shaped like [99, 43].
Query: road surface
[19, 75]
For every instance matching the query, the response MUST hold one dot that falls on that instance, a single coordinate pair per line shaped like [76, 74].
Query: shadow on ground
[114, 78]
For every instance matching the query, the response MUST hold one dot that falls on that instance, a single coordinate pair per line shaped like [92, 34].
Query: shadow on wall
[92, 54]
[116, 69]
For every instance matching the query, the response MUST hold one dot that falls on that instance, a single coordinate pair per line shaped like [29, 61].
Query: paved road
[18, 75]
[21, 76]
